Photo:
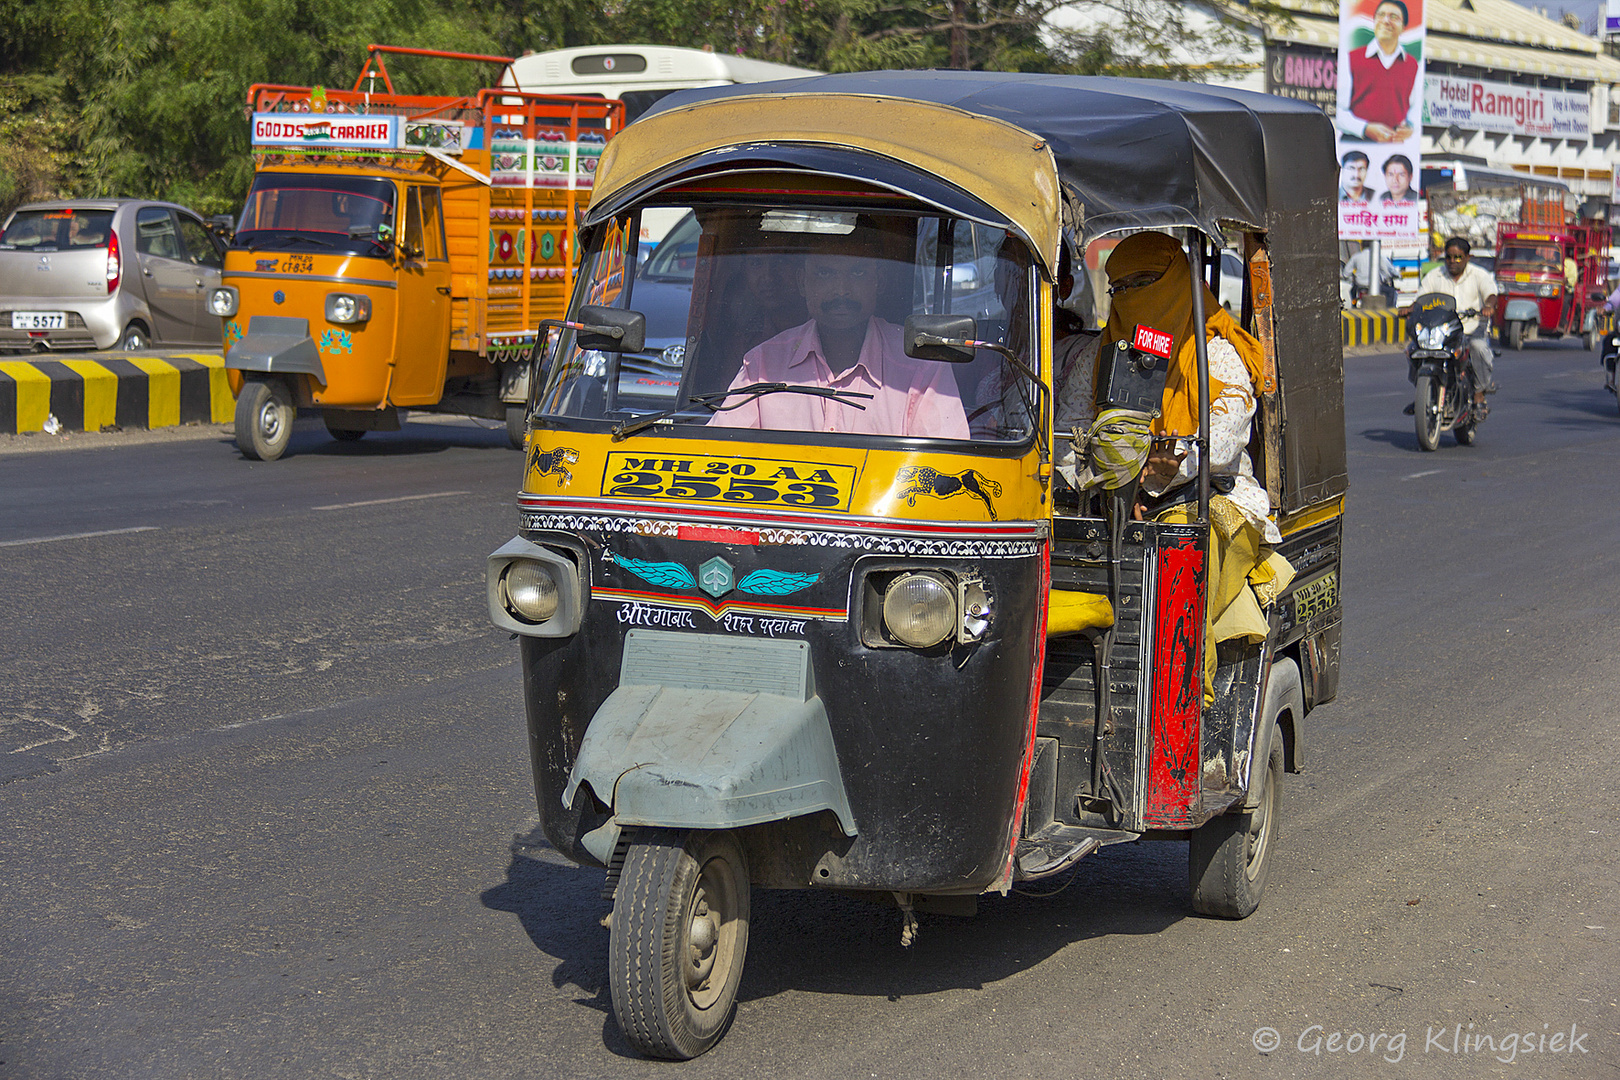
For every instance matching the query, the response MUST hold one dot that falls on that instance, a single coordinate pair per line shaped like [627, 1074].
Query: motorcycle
[1608, 354]
[1439, 368]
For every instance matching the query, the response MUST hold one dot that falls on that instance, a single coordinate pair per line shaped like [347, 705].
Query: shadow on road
[405, 443]
[1400, 439]
[1573, 407]
[816, 942]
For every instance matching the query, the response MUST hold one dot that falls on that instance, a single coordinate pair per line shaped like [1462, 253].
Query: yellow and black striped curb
[1373, 327]
[127, 390]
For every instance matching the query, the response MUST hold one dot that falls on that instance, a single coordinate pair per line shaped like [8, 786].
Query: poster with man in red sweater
[1380, 113]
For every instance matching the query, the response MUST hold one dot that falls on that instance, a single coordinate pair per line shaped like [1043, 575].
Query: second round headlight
[531, 591]
[920, 610]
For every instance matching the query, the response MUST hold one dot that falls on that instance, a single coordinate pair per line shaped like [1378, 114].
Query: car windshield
[318, 212]
[57, 230]
[1541, 258]
[785, 320]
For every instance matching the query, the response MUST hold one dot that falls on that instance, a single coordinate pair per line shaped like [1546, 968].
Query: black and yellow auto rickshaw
[826, 617]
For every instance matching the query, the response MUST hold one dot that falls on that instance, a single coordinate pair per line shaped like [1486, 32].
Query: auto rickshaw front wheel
[1229, 858]
[264, 418]
[679, 936]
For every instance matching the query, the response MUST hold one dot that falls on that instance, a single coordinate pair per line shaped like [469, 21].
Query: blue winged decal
[671, 575]
[775, 583]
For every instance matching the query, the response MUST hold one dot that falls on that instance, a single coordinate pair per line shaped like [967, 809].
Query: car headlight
[920, 609]
[529, 591]
[223, 301]
[346, 308]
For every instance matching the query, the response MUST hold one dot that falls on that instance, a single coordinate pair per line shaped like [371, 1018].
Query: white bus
[637, 75]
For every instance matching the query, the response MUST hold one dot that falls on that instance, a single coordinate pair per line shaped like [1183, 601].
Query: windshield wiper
[282, 238]
[755, 390]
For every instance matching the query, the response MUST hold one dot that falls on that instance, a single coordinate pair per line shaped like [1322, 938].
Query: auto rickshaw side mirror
[607, 329]
[1597, 295]
[940, 337]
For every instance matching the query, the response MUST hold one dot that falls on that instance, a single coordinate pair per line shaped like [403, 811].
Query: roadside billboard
[1379, 118]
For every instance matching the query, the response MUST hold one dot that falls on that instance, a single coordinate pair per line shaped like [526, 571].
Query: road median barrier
[1372, 327]
[98, 391]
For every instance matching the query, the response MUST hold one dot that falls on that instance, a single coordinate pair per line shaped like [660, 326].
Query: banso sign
[337, 130]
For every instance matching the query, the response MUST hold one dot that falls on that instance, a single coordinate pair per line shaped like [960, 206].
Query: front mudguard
[1525, 311]
[697, 758]
[277, 345]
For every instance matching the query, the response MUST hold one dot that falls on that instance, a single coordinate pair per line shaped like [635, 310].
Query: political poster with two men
[1380, 118]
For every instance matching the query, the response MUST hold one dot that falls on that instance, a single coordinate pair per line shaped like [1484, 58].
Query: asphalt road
[269, 813]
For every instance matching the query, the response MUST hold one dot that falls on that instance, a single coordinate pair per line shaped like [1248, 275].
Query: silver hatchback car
[106, 273]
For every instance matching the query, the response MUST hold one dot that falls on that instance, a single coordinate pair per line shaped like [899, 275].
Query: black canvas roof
[1131, 153]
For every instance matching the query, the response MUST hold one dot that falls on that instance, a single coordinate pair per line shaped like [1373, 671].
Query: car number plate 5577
[38, 320]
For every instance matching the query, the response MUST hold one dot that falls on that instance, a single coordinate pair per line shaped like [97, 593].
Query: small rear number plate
[38, 320]
[1321, 595]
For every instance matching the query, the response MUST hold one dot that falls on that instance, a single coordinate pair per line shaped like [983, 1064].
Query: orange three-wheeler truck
[400, 252]
[857, 632]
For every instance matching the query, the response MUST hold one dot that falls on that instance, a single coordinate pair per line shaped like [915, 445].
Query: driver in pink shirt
[845, 346]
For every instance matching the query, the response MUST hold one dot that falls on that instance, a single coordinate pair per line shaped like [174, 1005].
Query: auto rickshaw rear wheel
[517, 424]
[264, 418]
[1229, 858]
[1589, 340]
[343, 434]
[679, 937]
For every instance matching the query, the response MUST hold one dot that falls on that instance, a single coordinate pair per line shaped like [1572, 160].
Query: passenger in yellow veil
[1151, 285]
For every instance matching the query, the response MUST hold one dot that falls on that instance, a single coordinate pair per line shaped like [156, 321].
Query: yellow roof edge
[1008, 168]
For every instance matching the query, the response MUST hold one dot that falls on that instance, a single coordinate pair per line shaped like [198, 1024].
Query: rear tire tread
[1217, 856]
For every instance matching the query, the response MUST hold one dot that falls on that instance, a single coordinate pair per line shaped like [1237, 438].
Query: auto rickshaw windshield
[319, 212]
[812, 303]
[1541, 258]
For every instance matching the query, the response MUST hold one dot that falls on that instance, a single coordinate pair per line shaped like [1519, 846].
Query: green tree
[146, 97]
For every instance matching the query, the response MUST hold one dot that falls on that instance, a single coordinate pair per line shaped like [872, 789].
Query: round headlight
[344, 309]
[920, 610]
[531, 592]
[222, 302]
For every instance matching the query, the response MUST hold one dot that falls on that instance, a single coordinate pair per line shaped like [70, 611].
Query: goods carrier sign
[336, 130]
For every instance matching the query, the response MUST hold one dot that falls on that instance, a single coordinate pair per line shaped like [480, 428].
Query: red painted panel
[1178, 685]
[716, 534]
